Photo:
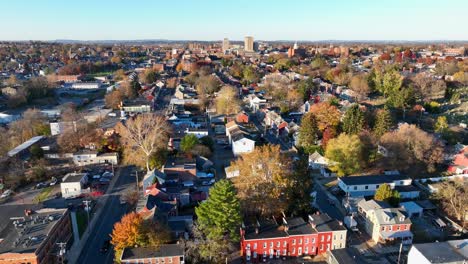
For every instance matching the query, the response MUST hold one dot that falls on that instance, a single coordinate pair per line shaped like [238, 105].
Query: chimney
[256, 230]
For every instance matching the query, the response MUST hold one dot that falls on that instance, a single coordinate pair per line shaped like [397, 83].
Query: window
[306, 241]
[248, 246]
[255, 254]
[278, 244]
[300, 241]
[271, 244]
[264, 244]
[321, 247]
[255, 245]
[313, 250]
[277, 253]
[293, 251]
[341, 236]
[398, 228]
[284, 252]
[313, 240]
[294, 241]
[355, 188]
[366, 187]
[383, 228]
[377, 186]
[306, 250]
[329, 237]
[323, 238]
[264, 254]
[328, 247]
[170, 260]
[401, 182]
[299, 251]
[334, 237]
[285, 243]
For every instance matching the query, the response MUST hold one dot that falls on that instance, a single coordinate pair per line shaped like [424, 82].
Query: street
[112, 213]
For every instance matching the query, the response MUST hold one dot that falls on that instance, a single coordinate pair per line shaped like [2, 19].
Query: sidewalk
[74, 253]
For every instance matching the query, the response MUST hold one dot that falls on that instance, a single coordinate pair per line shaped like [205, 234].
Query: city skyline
[361, 20]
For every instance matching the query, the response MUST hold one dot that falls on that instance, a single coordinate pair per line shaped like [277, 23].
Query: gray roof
[454, 251]
[30, 231]
[74, 177]
[25, 145]
[372, 179]
[166, 250]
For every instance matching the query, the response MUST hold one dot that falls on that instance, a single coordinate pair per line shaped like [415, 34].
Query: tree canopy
[386, 194]
[353, 120]
[345, 152]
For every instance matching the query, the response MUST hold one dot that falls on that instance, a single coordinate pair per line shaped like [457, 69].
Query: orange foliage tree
[327, 115]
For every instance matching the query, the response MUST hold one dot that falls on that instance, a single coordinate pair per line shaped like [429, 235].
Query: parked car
[53, 181]
[107, 174]
[41, 185]
[105, 246]
[97, 176]
[208, 182]
[6, 193]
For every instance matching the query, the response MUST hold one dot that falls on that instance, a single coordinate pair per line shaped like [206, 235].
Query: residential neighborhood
[235, 147]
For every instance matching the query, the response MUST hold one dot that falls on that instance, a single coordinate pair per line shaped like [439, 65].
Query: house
[349, 255]
[293, 237]
[89, 157]
[317, 161]
[73, 184]
[360, 186]
[459, 165]
[31, 233]
[136, 107]
[58, 127]
[22, 151]
[448, 252]
[85, 85]
[166, 253]
[413, 209]
[256, 101]
[242, 144]
[242, 117]
[384, 223]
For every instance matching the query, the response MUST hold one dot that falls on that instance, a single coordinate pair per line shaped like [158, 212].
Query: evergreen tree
[386, 194]
[308, 133]
[220, 215]
[383, 122]
[353, 121]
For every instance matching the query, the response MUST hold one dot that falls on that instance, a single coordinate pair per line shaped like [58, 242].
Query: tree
[263, 180]
[119, 75]
[386, 194]
[207, 85]
[328, 134]
[158, 158]
[308, 132]
[461, 77]
[441, 125]
[318, 62]
[383, 122]
[306, 88]
[360, 85]
[402, 98]
[114, 99]
[219, 216]
[353, 120]
[409, 146]
[327, 115]
[188, 142]
[227, 102]
[345, 152]
[37, 152]
[133, 231]
[33, 123]
[453, 196]
[144, 134]
[300, 189]
[149, 76]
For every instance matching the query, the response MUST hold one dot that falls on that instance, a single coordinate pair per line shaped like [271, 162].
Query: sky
[217, 19]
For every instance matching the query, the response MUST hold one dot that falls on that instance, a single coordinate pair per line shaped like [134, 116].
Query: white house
[199, 133]
[317, 161]
[72, 184]
[360, 186]
[242, 145]
[57, 128]
[448, 252]
[93, 157]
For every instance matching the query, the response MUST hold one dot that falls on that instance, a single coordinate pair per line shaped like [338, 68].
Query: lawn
[43, 194]
[82, 221]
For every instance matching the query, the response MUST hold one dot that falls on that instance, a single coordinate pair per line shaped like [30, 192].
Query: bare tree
[145, 133]
[454, 199]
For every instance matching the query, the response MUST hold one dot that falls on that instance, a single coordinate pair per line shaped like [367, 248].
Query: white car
[6, 193]
[53, 181]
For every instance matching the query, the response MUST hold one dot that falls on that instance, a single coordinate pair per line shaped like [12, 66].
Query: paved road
[113, 212]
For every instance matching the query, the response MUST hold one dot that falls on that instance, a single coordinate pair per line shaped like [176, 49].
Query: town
[233, 151]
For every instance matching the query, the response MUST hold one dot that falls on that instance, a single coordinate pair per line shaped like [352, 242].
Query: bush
[432, 107]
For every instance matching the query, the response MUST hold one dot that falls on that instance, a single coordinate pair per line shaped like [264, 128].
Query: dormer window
[402, 218]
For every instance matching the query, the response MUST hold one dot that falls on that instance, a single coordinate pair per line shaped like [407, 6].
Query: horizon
[183, 20]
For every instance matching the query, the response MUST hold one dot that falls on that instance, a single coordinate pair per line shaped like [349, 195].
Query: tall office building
[225, 44]
[249, 43]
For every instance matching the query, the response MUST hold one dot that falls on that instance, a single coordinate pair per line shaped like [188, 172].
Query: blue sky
[216, 19]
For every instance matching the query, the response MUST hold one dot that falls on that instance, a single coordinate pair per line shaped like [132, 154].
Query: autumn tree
[308, 132]
[149, 76]
[461, 77]
[383, 122]
[114, 99]
[327, 115]
[359, 84]
[345, 152]
[328, 134]
[386, 194]
[134, 231]
[353, 120]
[33, 123]
[410, 145]
[227, 102]
[441, 124]
[453, 196]
[119, 75]
[263, 180]
[306, 88]
[219, 216]
[144, 134]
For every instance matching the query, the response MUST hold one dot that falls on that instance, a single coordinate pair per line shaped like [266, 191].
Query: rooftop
[372, 179]
[166, 250]
[74, 177]
[24, 234]
[24, 145]
[454, 251]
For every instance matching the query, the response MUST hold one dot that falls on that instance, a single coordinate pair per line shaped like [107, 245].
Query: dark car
[105, 246]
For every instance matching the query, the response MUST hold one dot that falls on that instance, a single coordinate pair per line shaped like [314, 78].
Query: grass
[43, 194]
[82, 221]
